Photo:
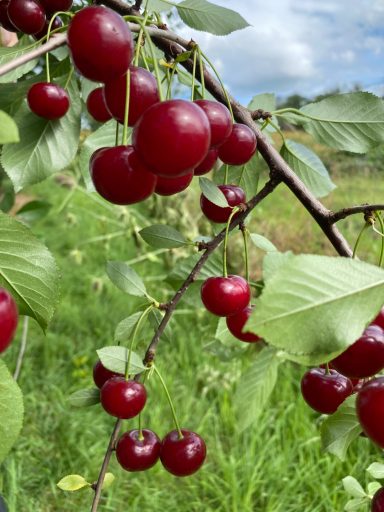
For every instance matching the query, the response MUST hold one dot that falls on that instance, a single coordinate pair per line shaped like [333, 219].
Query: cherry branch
[353, 210]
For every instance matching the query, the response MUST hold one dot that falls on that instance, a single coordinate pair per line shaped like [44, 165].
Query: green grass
[275, 466]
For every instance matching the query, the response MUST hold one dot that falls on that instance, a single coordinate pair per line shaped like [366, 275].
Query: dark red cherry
[239, 147]
[123, 398]
[378, 501]
[225, 296]
[48, 100]
[236, 323]
[96, 105]
[379, 320]
[143, 94]
[102, 374]
[170, 186]
[52, 6]
[28, 16]
[370, 409]
[323, 391]
[8, 319]
[101, 43]
[5, 22]
[172, 137]
[208, 163]
[120, 176]
[57, 23]
[234, 195]
[219, 119]
[365, 357]
[183, 456]
[138, 454]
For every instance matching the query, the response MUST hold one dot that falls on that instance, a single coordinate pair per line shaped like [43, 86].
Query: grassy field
[275, 466]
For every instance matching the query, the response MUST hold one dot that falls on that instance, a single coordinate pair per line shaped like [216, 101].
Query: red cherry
[52, 6]
[365, 357]
[185, 456]
[219, 119]
[235, 324]
[28, 16]
[135, 454]
[119, 175]
[234, 195]
[143, 94]
[379, 320]
[323, 391]
[57, 23]
[208, 163]
[240, 147]
[48, 100]
[102, 374]
[8, 319]
[172, 137]
[170, 186]
[225, 296]
[5, 22]
[378, 501]
[370, 409]
[96, 105]
[123, 398]
[101, 43]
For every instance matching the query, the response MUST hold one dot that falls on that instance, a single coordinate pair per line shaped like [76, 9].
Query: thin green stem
[226, 172]
[327, 370]
[140, 37]
[70, 74]
[233, 213]
[155, 63]
[133, 339]
[194, 74]
[141, 437]
[221, 83]
[126, 112]
[380, 219]
[176, 421]
[169, 90]
[283, 111]
[245, 233]
[275, 126]
[366, 225]
[202, 78]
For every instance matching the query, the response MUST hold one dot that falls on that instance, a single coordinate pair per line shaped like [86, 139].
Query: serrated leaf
[353, 487]
[245, 176]
[357, 504]
[255, 387]
[11, 411]
[208, 17]
[340, 429]
[9, 54]
[84, 397]
[45, 147]
[28, 271]
[344, 293]
[115, 359]
[376, 470]
[9, 132]
[163, 237]
[126, 279]
[213, 193]
[108, 480]
[262, 243]
[308, 167]
[125, 328]
[72, 483]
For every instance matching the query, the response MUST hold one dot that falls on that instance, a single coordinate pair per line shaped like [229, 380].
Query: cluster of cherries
[9, 318]
[182, 452]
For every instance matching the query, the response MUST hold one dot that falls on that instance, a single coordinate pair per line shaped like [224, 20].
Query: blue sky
[304, 46]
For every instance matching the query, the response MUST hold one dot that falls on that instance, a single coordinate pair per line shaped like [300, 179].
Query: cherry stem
[222, 85]
[202, 78]
[194, 74]
[155, 63]
[141, 437]
[126, 112]
[23, 346]
[169, 90]
[379, 218]
[327, 370]
[226, 172]
[176, 421]
[366, 225]
[133, 339]
[276, 127]
[245, 234]
[140, 37]
[233, 213]
[69, 78]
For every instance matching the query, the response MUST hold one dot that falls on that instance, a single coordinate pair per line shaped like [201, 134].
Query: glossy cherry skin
[135, 454]
[28, 16]
[9, 318]
[378, 501]
[379, 320]
[143, 94]
[102, 374]
[234, 195]
[219, 119]
[225, 296]
[123, 398]
[120, 176]
[239, 147]
[370, 409]
[235, 324]
[96, 105]
[100, 43]
[57, 23]
[48, 100]
[323, 391]
[171, 186]
[52, 6]
[365, 357]
[207, 164]
[172, 137]
[183, 457]
[5, 22]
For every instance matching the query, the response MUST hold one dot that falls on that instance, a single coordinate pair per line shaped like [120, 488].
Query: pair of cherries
[9, 318]
[140, 450]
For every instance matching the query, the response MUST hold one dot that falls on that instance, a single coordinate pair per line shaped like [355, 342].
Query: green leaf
[159, 5]
[265, 101]
[155, 318]
[45, 147]
[108, 480]
[126, 279]
[208, 17]
[11, 411]
[245, 176]
[262, 243]
[350, 122]
[125, 328]
[308, 167]
[213, 193]
[115, 359]
[372, 488]
[376, 470]
[162, 236]
[255, 388]
[317, 305]
[9, 54]
[85, 397]
[340, 429]
[353, 488]
[7, 194]
[357, 504]
[183, 268]
[73, 483]
[9, 132]
[28, 271]
[33, 211]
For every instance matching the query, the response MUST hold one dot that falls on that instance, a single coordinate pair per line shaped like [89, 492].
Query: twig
[23, 346]
[353, 210]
